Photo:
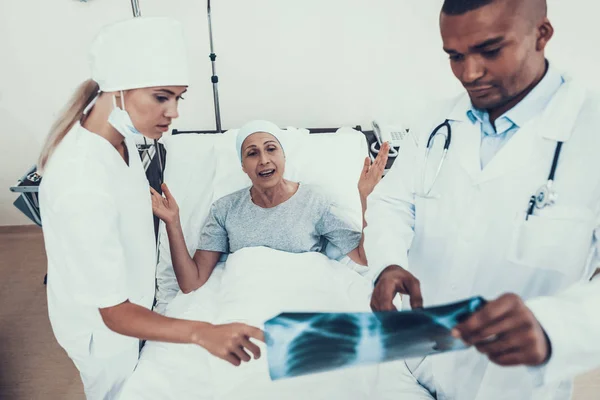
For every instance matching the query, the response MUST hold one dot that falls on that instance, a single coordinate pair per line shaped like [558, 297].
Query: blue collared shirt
[493, 138]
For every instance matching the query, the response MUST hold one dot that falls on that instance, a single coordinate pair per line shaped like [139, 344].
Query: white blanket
[255, 285]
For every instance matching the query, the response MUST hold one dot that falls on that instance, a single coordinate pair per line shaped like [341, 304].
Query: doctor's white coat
[472, 238]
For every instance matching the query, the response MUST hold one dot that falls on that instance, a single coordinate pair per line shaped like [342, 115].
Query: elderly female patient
[274, 212]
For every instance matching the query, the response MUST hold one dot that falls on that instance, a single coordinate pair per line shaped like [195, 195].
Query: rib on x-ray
[304, 343]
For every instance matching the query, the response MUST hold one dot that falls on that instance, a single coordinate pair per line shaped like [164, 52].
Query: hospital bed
[201, 168]
[255, 284]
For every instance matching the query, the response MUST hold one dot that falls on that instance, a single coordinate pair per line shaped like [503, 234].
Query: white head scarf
[254, 127]
[139, 53]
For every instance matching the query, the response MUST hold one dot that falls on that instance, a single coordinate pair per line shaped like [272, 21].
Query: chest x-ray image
[305, 343]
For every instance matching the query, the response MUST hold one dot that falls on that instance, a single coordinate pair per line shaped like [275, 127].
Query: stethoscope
[447, 140]
[545, 195]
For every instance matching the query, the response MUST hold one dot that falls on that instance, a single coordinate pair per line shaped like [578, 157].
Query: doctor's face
[153, 109]
[497, 51]
[263, 160]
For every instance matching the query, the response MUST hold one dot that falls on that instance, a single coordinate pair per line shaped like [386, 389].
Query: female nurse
[97, 212]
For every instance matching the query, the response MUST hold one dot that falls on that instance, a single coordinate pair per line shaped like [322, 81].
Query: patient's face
[263, 160]
[153, 109]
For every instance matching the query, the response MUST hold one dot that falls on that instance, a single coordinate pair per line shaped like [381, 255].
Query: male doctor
[521, 136]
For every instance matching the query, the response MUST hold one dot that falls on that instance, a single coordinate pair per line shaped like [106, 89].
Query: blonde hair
[73, 112]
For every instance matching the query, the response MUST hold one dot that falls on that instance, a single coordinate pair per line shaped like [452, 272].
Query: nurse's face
[497, 51]
[263, 160]
[153, 109]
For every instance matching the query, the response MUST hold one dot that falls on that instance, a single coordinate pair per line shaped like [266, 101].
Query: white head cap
[138, 53]
[255, 127]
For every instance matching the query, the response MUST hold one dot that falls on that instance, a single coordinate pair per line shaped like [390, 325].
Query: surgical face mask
[121, 121]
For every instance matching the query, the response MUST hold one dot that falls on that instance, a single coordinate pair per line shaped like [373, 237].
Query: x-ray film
[305, 343]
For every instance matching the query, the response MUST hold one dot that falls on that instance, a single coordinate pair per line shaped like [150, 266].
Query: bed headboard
[357, 128]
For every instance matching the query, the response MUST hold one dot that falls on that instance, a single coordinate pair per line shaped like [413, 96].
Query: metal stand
[135, 6]
[214, 78]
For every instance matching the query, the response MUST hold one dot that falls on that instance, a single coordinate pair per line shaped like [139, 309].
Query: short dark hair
[459, 7]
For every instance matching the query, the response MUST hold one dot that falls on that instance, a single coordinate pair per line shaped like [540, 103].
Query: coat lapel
[535, 142]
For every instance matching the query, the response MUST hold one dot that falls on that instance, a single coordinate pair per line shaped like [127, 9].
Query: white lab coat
[98, 230]
[571, 321]
[472, 240]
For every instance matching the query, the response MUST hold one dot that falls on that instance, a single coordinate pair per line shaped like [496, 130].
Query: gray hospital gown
[296, 226]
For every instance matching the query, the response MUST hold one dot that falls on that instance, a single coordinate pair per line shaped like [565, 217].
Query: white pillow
[203, 168]
[334, 162]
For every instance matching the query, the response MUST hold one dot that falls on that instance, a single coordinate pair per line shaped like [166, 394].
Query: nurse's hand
[230, 342]
[373, 172]
[395, 279]
[165, 207]
[507, 332]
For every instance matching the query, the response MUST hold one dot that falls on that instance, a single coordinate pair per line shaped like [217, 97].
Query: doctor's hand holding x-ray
[503, 203]
[520, 337]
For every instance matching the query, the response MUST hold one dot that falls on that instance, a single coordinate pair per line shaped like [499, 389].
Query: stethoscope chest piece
[545, 196]
[445, 130]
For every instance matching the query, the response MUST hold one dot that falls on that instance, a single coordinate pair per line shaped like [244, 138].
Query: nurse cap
[138, 53]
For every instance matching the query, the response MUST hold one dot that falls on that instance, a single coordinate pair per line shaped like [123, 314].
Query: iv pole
[136, 8]
[214, 78]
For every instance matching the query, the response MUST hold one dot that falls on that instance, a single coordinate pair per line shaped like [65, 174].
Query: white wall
[311, 63]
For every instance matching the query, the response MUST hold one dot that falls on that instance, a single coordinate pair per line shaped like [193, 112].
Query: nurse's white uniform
[99, 235]
[97, 212]
[472, 239]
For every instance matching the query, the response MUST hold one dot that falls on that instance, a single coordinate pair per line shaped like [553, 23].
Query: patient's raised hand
[373, 172]
[165, 207]
[231, 342]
